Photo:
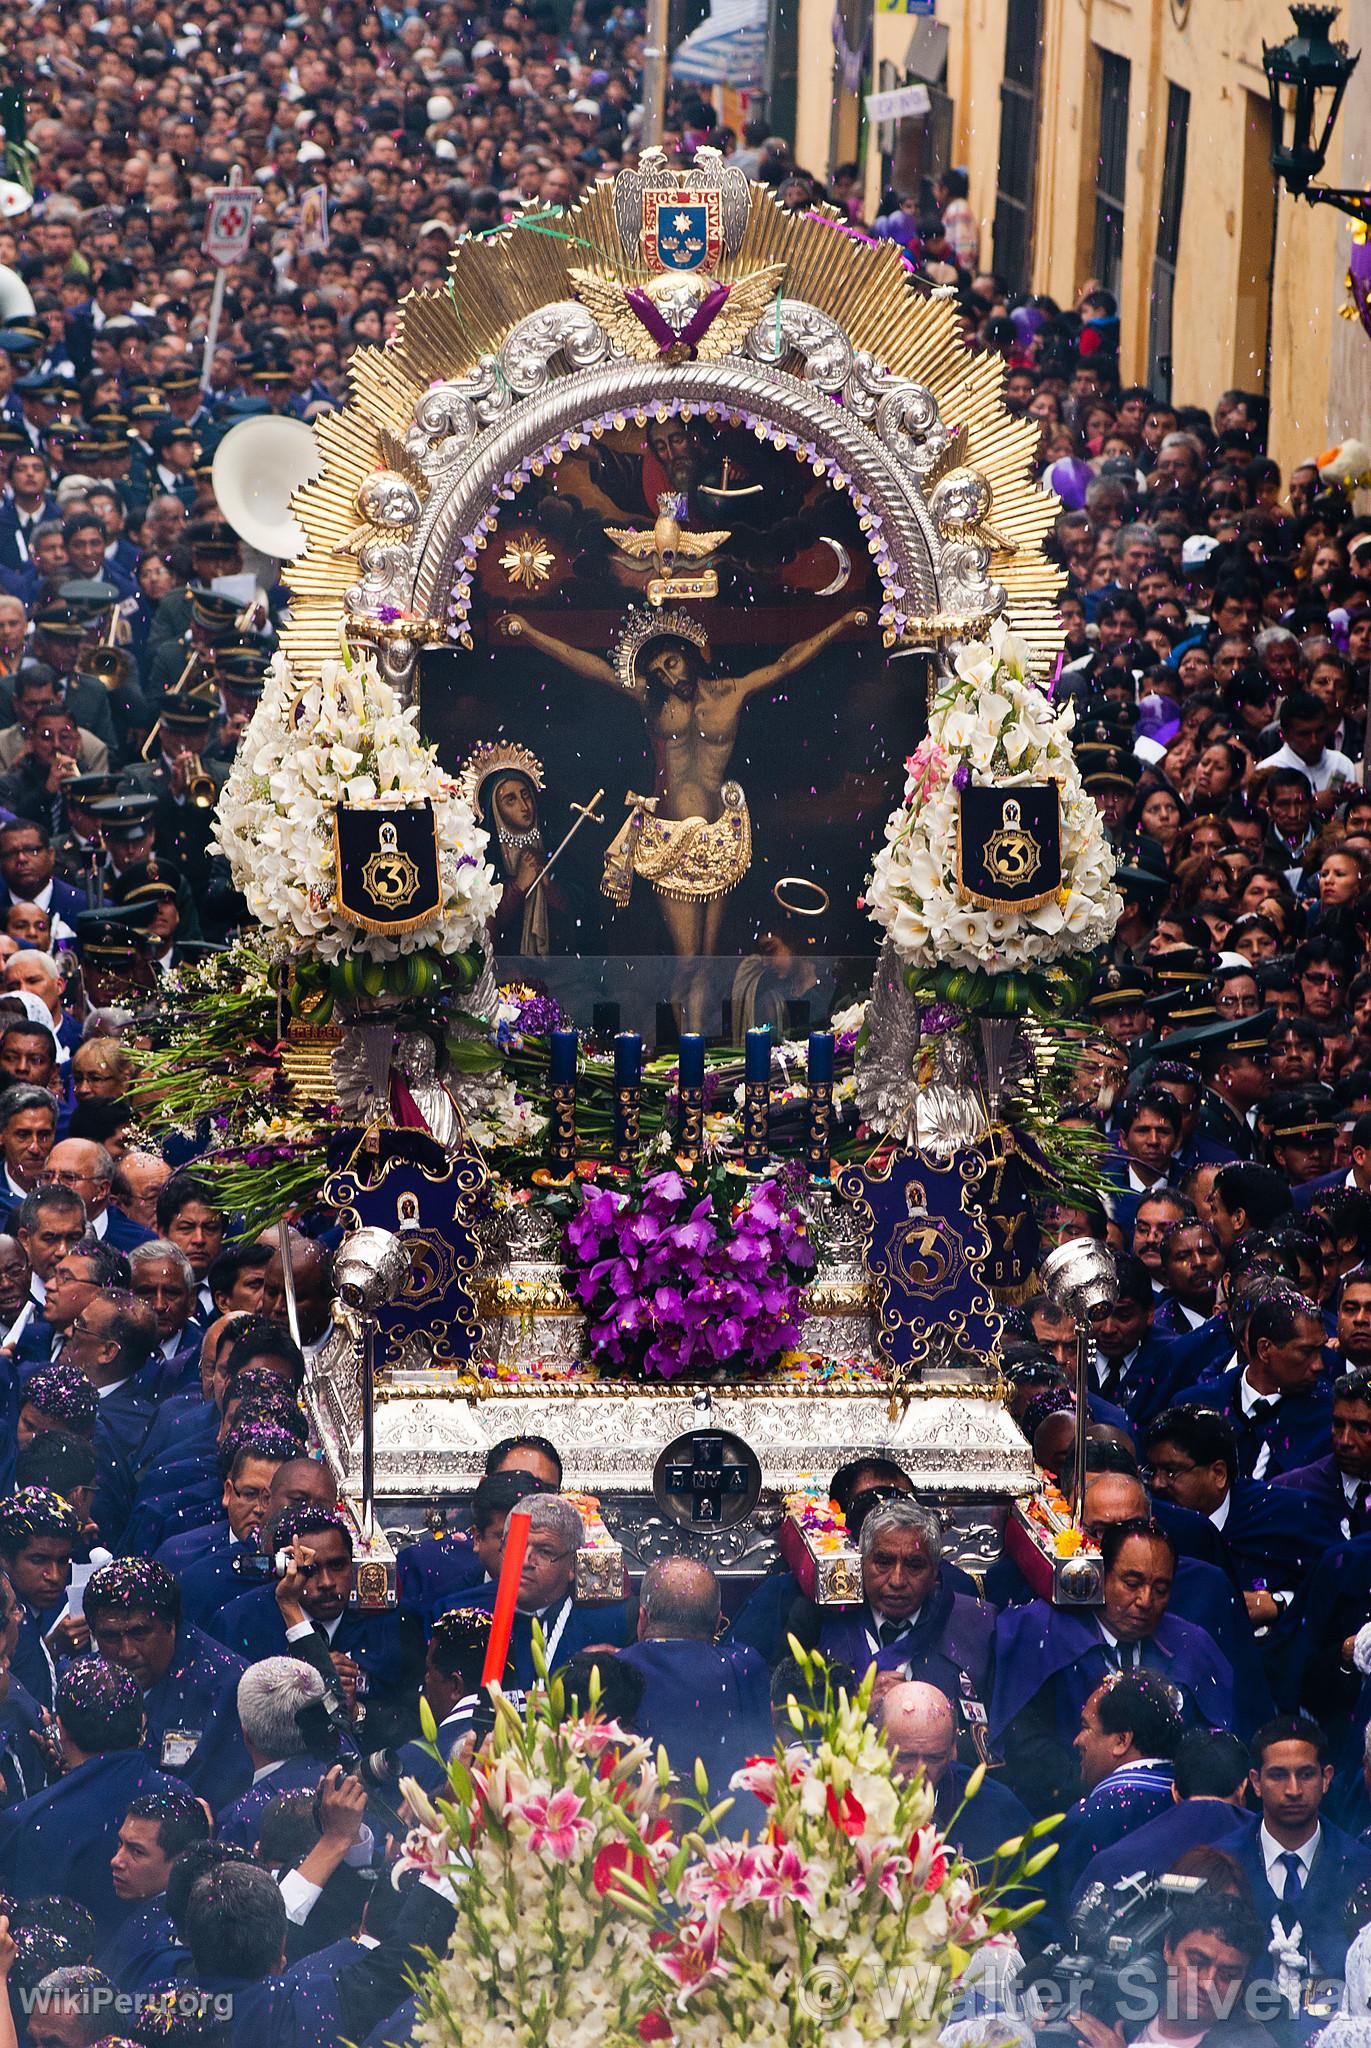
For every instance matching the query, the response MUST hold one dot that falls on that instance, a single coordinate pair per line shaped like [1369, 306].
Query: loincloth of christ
[689, 860]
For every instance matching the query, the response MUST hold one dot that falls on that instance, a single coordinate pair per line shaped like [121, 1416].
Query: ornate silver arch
[560, 374]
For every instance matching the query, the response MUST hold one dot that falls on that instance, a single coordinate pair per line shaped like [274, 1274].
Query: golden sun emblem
[527, 560]
[390, 877]
[1012, 855]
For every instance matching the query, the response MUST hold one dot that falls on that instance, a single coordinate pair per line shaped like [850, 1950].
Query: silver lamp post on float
[1081, 1278]
[371, 1270]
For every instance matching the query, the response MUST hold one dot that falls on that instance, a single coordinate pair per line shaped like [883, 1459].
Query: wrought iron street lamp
[1317, 70]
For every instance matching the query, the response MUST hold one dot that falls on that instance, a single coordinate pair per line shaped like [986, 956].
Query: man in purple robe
[1049, 1660]
[911, 1621]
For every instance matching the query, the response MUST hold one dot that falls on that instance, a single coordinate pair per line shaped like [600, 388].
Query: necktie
[1294, 1874]
[1262, 1406]
[890, 1632]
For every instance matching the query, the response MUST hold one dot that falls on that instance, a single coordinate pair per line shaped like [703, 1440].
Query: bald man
[300, 1481]
[918, 1725]
[700, 1698]
[87, 1169]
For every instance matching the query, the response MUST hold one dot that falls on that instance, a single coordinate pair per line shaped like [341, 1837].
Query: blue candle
[562, 1095]
[690, 1095]
[628, 1074]
[757, 1097]
[819, 1121]
[628, 1059]
[820, 1056]
[692, 1061]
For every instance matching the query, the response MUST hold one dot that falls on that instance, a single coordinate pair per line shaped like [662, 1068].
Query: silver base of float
[434, 1428]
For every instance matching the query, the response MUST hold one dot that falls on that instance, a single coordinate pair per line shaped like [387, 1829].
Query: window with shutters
[1018, 145]
[1111, 169]
[1168, 240]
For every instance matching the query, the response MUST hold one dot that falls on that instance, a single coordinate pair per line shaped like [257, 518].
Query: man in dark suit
[236, 1929]
[431, 1573]
[152, 1835]
[1139, 1365]
[1301, 1869]
[701, 1699]
[1279, 1401]
[87, 1168]
[26, 504]
[913, 1620]
[1049, 1660]
[1147, 1136]
[546, 1594]
[1341, 1481]
[271, 1693]
[377, 1657]
[27, 863]
[111, 1340]
[63, 1839]
[1272, 1537]
[39, 1532]
[1130, 1730]
[1210, 1782]
[188, 1681]
[918, 1724]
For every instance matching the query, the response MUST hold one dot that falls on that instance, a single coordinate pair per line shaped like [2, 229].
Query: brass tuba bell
[109, 663]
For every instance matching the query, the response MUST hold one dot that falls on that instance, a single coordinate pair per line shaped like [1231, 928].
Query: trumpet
[205, 692]
[110, 663]
[202, 790]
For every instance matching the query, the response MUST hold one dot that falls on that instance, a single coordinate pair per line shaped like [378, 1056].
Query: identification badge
[179, 1746]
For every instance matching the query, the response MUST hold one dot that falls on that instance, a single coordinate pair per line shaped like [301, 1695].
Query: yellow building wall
[1231, 312]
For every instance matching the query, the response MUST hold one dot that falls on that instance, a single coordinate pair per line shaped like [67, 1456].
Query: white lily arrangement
[345, 738]
[991, 725]
[498, 1117]
[591, 1914]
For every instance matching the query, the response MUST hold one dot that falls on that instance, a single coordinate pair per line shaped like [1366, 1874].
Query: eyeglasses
[1148, 1473]
[1325, 980]
[538, 1554]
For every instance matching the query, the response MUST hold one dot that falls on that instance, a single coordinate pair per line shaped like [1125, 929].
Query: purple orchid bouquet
[678, 1282]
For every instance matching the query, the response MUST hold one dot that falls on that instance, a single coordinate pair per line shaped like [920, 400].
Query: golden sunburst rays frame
[499, 280]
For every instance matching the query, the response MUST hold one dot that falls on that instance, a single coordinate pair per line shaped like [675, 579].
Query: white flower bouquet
[542, 1827]
[584, 1922]
[992, 725]
[852, 1921]
[344, 739]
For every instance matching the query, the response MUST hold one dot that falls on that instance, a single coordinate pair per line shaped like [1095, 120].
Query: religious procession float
[672, 887]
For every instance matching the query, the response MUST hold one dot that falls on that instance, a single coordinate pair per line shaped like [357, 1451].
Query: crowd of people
[182, 1657]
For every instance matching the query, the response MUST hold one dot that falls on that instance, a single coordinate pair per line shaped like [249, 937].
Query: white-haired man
[546, 1593]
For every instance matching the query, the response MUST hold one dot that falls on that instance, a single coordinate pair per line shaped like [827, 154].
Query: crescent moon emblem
[844, 560]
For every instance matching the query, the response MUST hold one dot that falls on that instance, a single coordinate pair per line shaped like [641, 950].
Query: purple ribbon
[695, 329]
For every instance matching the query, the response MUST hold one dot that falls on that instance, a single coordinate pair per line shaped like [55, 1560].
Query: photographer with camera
[1208, 1950]
[373, 1660]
